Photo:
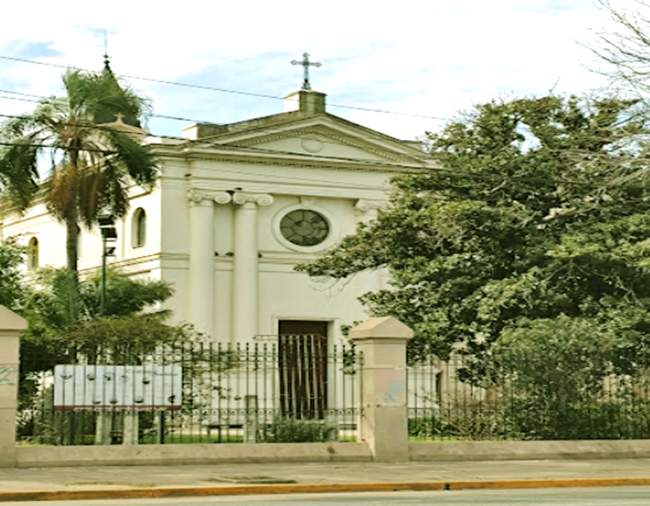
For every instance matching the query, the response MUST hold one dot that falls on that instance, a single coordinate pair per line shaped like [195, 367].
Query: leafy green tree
[538, 209]
[12, 287]
[92, 165]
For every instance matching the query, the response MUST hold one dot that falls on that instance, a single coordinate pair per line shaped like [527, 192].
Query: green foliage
[292, 430]
[468, 423]
[538, 209]
[567, 378]
[12, 288]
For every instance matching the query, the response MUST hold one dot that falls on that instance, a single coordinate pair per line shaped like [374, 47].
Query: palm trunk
[72, 240]
[72, 218]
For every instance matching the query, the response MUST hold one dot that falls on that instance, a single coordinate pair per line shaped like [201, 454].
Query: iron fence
[290, 389]
[522, 396]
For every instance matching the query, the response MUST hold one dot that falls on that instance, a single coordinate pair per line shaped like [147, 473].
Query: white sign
[118, 386]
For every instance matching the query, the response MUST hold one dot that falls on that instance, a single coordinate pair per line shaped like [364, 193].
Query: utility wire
[177, 118]
[222, 90]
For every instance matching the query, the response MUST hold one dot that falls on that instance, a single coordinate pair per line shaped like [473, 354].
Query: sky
[423, 60]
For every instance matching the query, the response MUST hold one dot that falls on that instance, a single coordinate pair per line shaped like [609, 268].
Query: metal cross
[306, 64]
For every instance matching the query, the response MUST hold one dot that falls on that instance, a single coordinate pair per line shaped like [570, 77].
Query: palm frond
[19, 172]
[101, 96]
[138, 161]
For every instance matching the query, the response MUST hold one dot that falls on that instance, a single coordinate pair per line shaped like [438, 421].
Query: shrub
[293, 430]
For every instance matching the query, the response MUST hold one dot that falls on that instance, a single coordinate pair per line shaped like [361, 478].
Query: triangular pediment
[320, 136]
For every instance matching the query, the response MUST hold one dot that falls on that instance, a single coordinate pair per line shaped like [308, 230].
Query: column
[201, 276]
[223, 269]
[11, 325]
[245, 265]
[384, 424]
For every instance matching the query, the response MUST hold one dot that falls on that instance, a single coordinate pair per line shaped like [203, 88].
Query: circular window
[304, 227]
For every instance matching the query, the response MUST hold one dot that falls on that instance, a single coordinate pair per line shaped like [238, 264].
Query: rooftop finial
[106, 57]
[306, 64]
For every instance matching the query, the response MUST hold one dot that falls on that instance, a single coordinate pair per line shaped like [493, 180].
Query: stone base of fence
[121, 455]
[528, 450]
[118, 455]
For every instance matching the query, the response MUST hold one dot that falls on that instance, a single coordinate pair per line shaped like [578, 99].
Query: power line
[53, 146]
[177, 118]
[223, 90]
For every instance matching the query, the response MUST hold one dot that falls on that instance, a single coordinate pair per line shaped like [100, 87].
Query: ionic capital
[197, 196]
[222, 197]
[261, 199]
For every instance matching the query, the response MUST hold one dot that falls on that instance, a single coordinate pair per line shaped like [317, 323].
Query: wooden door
[302, 357]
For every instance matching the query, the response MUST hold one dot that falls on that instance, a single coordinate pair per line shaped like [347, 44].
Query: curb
[142, 493]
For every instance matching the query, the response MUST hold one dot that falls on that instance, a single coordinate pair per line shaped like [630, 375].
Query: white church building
[236, 207]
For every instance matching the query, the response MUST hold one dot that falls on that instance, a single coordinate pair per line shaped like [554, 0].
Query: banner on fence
[117, 386]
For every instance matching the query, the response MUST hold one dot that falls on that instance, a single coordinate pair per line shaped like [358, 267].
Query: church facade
[236, 207]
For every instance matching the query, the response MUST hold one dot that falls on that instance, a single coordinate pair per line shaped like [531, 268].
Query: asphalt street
[611, 496]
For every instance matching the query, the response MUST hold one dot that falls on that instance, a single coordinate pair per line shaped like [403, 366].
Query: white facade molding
[307, 202]
[261, 199]
[366, 205]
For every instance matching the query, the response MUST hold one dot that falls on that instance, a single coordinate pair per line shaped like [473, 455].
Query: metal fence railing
[291, 389]
[519, 396]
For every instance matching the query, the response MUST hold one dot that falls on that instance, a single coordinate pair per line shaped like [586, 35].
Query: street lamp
[109, 235]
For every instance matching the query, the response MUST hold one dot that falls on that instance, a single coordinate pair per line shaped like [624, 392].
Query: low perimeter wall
[528, 450]
[122, 455]
[60, 456]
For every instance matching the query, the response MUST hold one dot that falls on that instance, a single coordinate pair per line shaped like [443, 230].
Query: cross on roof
[306, 64]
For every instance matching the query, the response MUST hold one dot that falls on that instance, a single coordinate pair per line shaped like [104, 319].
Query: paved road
[612, 496]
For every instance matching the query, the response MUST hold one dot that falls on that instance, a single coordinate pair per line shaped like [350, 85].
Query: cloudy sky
[412, 57]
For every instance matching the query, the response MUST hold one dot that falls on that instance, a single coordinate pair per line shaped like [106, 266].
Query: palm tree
[93, 162]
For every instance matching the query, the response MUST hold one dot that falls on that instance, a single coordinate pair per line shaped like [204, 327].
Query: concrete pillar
[382, 341]
[201, 300]
[11, 325]
[104, 427]
[131, 428]
[245, 296]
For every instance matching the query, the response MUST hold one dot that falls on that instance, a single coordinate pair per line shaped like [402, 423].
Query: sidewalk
[236, 479]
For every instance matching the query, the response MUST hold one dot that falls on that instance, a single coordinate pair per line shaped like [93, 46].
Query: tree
[626, 51]
[12, 287]
[536, 211]
[92, 165]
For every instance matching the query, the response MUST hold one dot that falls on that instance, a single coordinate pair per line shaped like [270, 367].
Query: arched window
[138, 228]
[32, 254]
